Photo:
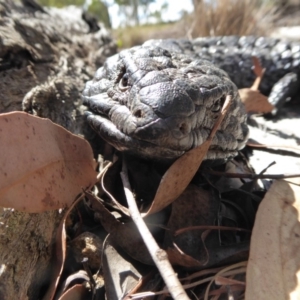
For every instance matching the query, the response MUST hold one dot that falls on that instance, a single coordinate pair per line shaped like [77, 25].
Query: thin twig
[250, 176]
[276, 146]
[158, 255]
[208, 227]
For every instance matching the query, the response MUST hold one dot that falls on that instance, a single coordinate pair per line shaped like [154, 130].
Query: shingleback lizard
[161, 99]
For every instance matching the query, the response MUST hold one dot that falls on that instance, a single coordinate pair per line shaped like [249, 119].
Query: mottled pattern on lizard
[161, 99]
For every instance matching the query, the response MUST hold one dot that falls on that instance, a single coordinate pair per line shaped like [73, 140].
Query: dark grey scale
[295, 51]
[296, 62]
[229, 41]
[265, 42]
[276, 56]
[234, 55]
[246, 42]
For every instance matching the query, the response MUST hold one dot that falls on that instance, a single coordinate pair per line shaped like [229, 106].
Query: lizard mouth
[123, 142]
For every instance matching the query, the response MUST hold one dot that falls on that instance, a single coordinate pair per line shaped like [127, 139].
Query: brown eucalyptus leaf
[178, 176]
[42, 165]
[273, 270]
[254, 101]
[71, 279]
[182, 171]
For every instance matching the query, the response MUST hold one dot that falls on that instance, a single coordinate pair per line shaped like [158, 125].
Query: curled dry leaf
[42, 165]
[273, 270]
[253, 100]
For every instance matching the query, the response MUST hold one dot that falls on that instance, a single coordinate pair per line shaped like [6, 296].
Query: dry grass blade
[231, 17]
[180, 174]
[221, 280]
[237, 268]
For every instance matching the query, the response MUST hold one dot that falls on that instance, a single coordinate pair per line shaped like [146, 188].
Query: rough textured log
[45, 59]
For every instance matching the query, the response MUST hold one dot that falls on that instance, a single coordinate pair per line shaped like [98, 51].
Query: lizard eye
[123, 84]
[216, 107]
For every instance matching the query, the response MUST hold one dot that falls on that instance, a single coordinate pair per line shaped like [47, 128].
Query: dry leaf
[181, 172]
[273, 270]
[253, 100]
[42, 165]
[258, 71]
[178, 177]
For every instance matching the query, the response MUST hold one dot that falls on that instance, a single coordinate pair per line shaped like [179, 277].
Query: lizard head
[159, 104]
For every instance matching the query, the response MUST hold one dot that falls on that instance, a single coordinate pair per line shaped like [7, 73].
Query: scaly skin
[233, 54]
[159, 104]
[161, 99]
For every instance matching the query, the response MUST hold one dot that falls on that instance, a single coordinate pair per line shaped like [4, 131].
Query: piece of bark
[26, 249]
[45, 60]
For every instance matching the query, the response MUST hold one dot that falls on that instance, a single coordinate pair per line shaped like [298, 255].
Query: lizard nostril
[138, 113]
[183, 128]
